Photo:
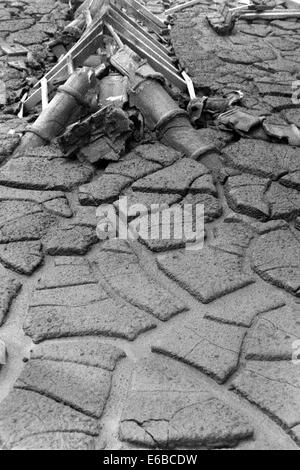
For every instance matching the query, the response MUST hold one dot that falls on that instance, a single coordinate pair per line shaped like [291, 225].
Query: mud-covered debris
[195, 109]
[58, 48]
[102, 135]
[69, 99]
[287, 134]
[239, 119]
[206, 108]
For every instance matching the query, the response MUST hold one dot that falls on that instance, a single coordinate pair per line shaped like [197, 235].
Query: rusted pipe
[56, 116]
[163, 115]
[179, 134]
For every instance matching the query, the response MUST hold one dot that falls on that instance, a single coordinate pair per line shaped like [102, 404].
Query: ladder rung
[140, 29]
[127, 27]
[140, 44]
[153, 26]
[155, 61]
[78, 53]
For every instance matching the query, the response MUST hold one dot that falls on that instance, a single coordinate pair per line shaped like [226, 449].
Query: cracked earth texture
[126, 345]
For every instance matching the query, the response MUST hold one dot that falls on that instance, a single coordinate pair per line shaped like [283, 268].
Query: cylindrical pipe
[55, 117]
[154, 102]
[163, 114]
[179, 134]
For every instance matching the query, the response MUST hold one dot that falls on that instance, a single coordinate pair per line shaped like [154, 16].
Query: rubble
[239, 119]
[224, 18]
[287, 134]
[3, 98]
[61, 109]
[120, 89]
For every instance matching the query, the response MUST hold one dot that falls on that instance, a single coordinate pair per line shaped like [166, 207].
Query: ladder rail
[62, 67]
[153, 60]
[128, 28]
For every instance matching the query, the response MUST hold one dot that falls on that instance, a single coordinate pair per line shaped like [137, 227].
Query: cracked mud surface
[125, 345]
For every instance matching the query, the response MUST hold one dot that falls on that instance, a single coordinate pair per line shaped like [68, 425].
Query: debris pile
[224, 18]
[117, 82]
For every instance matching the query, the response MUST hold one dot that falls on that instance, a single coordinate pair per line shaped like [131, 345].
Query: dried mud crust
[133, 344]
